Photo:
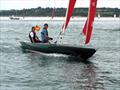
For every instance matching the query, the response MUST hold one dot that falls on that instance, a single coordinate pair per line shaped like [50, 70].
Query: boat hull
[84, 53]
[15, 18]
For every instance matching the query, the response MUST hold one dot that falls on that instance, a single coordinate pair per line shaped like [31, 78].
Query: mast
[53, 10]
[53, 13]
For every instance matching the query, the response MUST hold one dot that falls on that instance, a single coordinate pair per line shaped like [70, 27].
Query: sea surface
[35, 71]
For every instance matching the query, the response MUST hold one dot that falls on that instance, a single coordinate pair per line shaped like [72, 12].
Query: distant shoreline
[60, 12]
[61, 18]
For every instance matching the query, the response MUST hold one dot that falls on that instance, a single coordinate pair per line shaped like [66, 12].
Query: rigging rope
[60, 35]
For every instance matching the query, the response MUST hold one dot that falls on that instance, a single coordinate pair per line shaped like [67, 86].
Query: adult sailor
[44, 34]
[32, 35]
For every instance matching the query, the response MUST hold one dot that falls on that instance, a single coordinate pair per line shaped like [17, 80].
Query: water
[33, 71]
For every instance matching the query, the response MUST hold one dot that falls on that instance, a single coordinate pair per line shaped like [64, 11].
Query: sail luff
[68, 14]
[64, 25]
[84, 29]
[87, 30]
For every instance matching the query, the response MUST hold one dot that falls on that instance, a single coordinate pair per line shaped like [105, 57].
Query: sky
[21, 4]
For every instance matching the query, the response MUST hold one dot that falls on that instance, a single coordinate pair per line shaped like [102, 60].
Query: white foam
[50, 54]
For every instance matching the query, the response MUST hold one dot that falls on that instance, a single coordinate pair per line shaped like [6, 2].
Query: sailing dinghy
[83, 52]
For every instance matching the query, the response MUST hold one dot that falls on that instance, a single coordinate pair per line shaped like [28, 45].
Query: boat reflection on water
[91, 80]
[82, 75]
[68, 72]
[89, 75]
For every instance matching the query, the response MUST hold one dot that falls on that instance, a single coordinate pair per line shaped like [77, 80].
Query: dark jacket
[34, 39]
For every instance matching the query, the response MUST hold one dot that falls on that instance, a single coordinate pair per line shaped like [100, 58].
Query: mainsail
[87, 30]
[68, 14]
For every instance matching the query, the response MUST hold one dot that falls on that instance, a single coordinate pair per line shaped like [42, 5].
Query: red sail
[69, 13]
[87, 30]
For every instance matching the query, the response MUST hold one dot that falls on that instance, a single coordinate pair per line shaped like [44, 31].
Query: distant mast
[114, 16]
[23, 13]
[53, 13]
[99, 16]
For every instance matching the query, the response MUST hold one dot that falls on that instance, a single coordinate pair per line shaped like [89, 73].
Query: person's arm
[37, 38]
[33, 40]
[46, 35]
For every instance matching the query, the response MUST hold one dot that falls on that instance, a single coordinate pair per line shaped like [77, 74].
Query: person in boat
[32, 35]
[44, 34]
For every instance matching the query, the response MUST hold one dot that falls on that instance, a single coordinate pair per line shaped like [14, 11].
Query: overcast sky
[20, 4]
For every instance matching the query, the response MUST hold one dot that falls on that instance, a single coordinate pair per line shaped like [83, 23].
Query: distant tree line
[59, 12]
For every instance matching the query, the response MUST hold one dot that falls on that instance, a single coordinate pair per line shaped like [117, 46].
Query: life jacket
[34, 37]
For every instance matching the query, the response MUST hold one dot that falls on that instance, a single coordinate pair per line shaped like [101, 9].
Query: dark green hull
[84, 53]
